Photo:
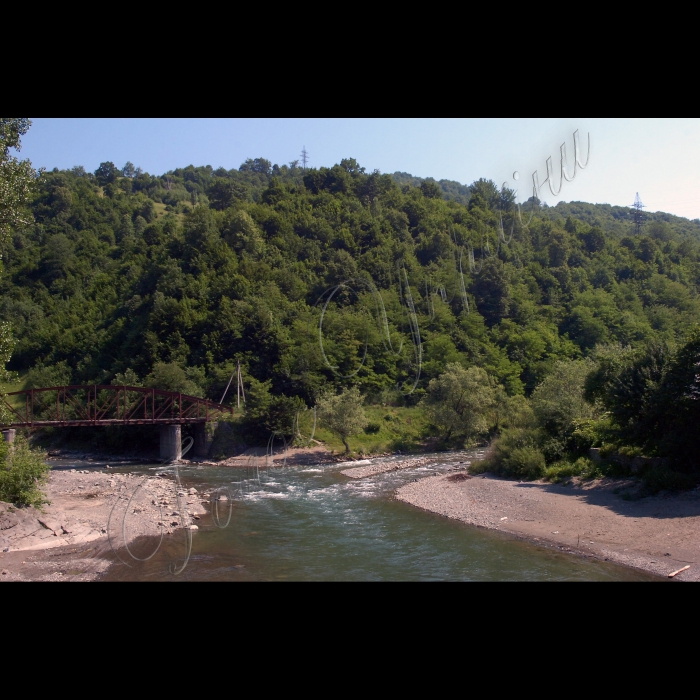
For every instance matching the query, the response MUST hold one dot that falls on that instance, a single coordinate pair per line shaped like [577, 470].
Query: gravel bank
[77, 522]
[372, 469]
[659, 534]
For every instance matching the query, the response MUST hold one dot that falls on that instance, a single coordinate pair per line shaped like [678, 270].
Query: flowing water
[310, 523]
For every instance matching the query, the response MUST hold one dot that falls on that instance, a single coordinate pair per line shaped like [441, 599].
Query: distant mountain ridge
[609, 217]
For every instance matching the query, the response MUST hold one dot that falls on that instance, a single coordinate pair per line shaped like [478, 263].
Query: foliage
[267, 414]
[16, 176]
[171, 377]
[558, 402]
[515, 453]
[459, 401]
[663, 479]
[23, 471]
[343, 413]
[197, 268]
[583, 467]
[109, 281]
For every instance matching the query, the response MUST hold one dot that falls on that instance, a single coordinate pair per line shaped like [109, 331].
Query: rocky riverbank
[373, 469]
[604, 518]
[89, 507]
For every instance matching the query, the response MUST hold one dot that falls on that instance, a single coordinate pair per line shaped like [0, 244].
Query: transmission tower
[304, 157]
[638, 216]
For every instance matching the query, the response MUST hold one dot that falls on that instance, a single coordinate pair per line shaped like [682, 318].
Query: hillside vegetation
[171, 279]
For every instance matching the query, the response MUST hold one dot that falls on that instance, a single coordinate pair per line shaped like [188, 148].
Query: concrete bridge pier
[9, 435]
[203, 438]
[171, 442]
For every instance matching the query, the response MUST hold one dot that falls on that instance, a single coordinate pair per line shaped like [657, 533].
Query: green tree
[127, 378]
[431, 189]
[107, 173]
[559, 402]
[492, 291]
[171, 377]
[676, 407]
[16, 176]
[224, 192]
[342, 413]
[242, 233]
[460, 401]
[17, 180]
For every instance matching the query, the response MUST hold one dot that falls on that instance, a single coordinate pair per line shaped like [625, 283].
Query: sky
[658, 158]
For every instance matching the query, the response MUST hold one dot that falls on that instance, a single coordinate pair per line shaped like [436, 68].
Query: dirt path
[659, 534]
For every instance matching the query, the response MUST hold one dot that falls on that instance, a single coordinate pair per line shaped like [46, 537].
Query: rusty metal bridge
[99, 404]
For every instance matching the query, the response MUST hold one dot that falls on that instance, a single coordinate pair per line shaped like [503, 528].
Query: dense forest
[127, 277]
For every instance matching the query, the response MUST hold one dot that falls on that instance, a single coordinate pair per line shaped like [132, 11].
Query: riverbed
[311, 523]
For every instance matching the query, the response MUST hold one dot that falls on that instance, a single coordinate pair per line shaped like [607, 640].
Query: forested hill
[199, 267]
[611, 219]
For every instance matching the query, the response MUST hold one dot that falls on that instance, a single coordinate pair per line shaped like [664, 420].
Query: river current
[311, 523]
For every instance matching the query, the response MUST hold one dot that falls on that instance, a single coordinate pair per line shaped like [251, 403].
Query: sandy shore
[89, 508]
[603, 518]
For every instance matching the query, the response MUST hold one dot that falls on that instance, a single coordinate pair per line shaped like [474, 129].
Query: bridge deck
[96, 404]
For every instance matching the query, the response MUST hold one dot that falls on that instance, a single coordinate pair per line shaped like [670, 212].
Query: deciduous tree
[343, 413]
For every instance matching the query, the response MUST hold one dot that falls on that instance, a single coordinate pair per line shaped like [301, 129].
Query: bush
[553, 449]
[581, 467]
[591, 433]
[515, 453]
[527, 462]
[372, 428]
[22, 472]
[661, 478]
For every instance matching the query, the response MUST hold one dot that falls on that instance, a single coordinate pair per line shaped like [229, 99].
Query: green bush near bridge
[23, 471]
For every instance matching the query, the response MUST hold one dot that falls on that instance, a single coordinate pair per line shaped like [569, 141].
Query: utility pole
[304, 157]
[241, 390]
[638, 215]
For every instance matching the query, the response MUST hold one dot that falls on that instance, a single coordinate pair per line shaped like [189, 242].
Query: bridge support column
[171, 442]
[203, 438]
[9, 435]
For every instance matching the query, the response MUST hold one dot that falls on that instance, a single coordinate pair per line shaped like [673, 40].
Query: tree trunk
[347, 447]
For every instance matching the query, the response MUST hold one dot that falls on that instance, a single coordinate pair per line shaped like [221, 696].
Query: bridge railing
[106, 404]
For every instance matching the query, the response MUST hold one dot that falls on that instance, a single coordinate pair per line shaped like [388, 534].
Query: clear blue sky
[659, 158]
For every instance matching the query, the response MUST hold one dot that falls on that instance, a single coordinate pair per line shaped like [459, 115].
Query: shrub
[607, 449]
[553, 449]
[527, 462]
[591, 433]
[22, 473]
[564, 469]
[628, 451]
[515, 453]
[661, 478]
[372, 428]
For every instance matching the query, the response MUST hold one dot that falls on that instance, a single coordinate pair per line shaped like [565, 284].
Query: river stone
[49, 523]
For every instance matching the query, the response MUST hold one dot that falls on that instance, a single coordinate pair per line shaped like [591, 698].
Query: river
[310, 523]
